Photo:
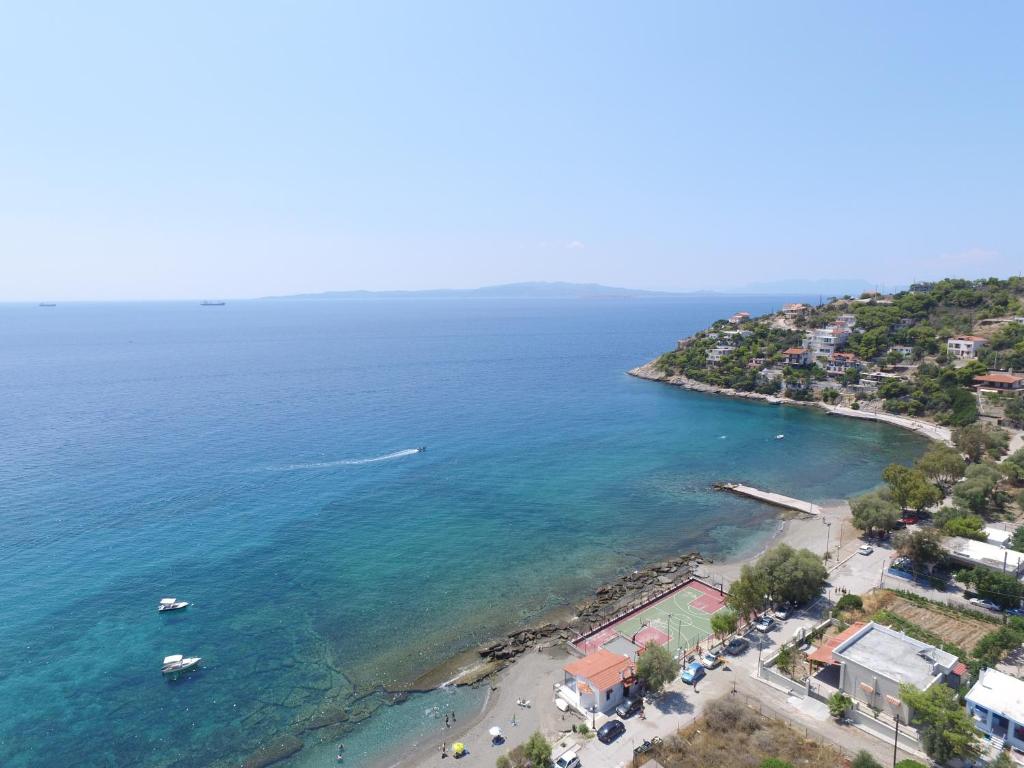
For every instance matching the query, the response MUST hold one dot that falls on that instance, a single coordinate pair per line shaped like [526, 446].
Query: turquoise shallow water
[255, 459]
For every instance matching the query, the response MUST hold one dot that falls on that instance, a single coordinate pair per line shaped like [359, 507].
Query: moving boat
[780, 437]
[171, 604]
[421, 449]
[212, 303]
[177, 664]
[46, 304]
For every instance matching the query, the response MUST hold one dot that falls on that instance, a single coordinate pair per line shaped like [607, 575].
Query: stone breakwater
[609, 601]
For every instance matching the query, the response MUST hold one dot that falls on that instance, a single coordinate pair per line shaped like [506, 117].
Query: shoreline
[539, 651]
[932, 431]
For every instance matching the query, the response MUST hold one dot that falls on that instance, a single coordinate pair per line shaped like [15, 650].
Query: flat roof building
[996, 703]
[981, 554]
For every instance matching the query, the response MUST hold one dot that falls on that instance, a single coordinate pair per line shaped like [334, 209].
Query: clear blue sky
[231, 149]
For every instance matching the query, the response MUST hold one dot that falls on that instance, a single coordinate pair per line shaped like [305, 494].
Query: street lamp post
[895, 741]
[828, 531]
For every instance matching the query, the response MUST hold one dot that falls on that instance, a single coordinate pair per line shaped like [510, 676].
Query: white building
[794, 311]
[965, 347]
[598, 682]
[981, 554]
[875, 660]
[998, 536]
[825, 342]
[715, 354]
[996, 702]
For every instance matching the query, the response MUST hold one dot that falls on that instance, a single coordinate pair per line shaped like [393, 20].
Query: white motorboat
[176, 664]
[171, 604]
[780, 437]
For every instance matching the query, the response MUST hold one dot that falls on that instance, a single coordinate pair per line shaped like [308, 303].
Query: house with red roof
[796, 356]
[598, 682]
[1002, 382]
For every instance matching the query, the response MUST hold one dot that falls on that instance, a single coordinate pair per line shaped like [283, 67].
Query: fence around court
[642, 603]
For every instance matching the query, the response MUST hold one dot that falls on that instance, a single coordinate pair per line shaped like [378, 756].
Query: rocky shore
[650, 372]
[609, 601]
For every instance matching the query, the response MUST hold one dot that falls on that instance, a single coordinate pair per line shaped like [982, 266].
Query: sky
[235, 149]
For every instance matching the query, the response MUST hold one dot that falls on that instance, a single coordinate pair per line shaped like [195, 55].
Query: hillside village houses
[739, 317]
[841, 362]
[965, 347]
[797, 356]
[794, 311]
[1000, 382]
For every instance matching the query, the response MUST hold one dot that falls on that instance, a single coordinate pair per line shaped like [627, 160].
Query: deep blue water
[221, 455]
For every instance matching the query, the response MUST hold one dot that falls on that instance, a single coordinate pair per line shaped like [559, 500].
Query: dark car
[628, 708]
[737, 646]
[610, 731]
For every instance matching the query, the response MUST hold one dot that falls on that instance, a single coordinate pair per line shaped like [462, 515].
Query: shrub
[774, 762]
[849, 603]
[910, 764]
[839, 704]
[863, 759]
[583, 729]
[656, 666]
[538, 750]
[729, 716]
[503, 762]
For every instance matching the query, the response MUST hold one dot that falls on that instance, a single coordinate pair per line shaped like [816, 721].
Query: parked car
[646, 745]
[628, 708]
[610, 731]
[865, 549]
[711, 659]
[692, 673]
[737, 646]
[909, 520]
[1015, 612]
[568, 759]
[988, 605]
[764, 623]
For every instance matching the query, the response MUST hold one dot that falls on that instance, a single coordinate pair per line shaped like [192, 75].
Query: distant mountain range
[545, 290]
[506, 291]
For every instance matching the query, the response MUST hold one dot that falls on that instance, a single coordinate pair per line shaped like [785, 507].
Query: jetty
[776, 499]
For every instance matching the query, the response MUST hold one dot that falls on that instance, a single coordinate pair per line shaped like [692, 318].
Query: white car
[866, 549]
[986, 604]
[568, 760]
[764, 624]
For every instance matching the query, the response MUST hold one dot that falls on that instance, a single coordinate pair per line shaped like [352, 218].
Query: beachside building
[1000, 382]
[841, 362]
[874, 660]
[903, 350]
[796, 356]
[794, 311]
[965, 347]
[981, 554]
[598, 682]
[739, 317]
[996, 703]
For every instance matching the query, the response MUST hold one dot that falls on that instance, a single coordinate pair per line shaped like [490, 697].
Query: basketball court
[679, 620]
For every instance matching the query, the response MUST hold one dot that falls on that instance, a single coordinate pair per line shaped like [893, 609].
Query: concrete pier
[776, 499]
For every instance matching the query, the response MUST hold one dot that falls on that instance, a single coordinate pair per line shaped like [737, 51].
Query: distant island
[530, 290]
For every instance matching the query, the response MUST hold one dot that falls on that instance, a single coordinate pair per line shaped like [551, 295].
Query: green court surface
[674, 621]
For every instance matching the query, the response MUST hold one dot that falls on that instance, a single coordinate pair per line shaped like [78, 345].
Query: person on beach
[513, 718]
[446, 725]
[453, 715]
[444, 752]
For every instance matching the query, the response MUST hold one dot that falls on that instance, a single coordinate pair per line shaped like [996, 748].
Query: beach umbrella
[495, 731]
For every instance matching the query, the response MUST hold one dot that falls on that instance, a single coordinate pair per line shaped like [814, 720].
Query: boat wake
[351, 462]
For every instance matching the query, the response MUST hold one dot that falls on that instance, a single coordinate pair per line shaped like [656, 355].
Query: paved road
[682, 704]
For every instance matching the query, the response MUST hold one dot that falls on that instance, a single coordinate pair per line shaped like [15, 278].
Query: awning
[893, 700]
[867, 688]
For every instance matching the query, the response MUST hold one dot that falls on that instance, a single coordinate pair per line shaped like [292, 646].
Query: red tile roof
[959, 669]
[823, 653]
[795, 351]
[999, 378]
[602, 668]
[969, 338]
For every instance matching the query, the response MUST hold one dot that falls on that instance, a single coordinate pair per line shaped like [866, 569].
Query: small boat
[46, 304]
[421, 449]
[171, 604]
[178, 664]
[212, 303]
[780, 437]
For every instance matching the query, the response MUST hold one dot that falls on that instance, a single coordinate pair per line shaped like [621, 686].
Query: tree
[747, 593]
[503, 762]
[942, 465]
[538, 750]
[965, 526]
[1014, 409]
[1002, 761]
[872, 511]
[655, 666]
[724, 622]
[910, 488]
[1017, 539]
[923, 547]
[1003, 589]
[976, 440]
[791, 575]
[979, 491]
[839, 704]
[863, 759]
[945, 728]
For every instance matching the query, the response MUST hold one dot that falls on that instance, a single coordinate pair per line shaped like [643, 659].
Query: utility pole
[895, 741]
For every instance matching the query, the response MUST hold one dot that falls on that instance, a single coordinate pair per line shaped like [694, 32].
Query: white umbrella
[495, 731]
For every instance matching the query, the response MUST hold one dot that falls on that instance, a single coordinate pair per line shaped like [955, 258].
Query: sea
[259, 460]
